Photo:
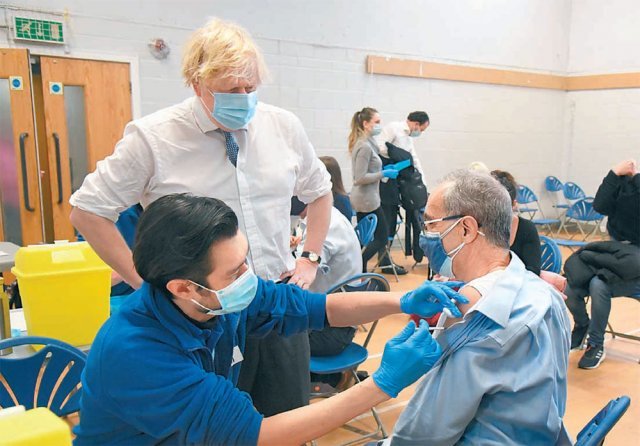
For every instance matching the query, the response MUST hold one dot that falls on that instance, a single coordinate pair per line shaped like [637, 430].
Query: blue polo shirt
[153, 376]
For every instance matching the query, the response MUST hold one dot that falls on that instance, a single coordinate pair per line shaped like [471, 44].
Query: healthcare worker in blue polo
[164, 368]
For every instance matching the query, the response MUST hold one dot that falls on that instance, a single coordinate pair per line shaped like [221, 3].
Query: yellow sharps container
[36, 427]
[65, 290]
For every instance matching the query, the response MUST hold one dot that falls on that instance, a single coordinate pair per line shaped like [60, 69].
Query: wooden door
[20, 204]
[86, 107]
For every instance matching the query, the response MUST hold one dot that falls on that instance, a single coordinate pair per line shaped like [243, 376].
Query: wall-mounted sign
[46, 31]
[55, 88]
[15, 83]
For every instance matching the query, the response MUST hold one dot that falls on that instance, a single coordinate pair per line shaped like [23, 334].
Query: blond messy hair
[222, 49]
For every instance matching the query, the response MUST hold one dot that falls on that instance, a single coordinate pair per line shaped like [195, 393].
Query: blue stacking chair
[553, 185]
[355, 354]
[526, 196]
[365, 229]
[551, 256]
[582, 214]
[594, 433]
[573, 192]
[48, 378]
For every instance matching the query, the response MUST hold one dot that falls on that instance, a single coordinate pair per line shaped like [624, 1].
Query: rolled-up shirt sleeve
[119, 180]
[313, 180]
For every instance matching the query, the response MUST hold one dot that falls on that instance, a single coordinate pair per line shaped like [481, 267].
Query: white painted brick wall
[316, 52]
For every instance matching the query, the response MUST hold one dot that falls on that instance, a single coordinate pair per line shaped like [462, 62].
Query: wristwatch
[312, 256]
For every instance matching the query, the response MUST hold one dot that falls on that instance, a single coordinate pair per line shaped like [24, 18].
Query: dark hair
[175, 236]
[357, 125]
[507, 180]
[418, 116]
[335, 173]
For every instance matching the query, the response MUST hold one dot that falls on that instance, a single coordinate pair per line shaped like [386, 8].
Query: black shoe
[578, 336]
[389, 270]
[592, 357]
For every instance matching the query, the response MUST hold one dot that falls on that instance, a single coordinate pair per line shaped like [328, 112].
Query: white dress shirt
[397, 133]
[178, 149]
[341, 256]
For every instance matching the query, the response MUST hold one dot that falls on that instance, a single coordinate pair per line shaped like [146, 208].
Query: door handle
[25, 180]
[56, 140]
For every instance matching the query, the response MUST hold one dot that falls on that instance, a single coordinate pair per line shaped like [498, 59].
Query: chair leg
[380, 426]
[393, 266]
[611, 331]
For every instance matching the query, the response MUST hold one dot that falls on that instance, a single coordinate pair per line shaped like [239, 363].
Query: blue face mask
[376, 130]
[235, 297]
[234, 110]
[440, 260]
[415, 133]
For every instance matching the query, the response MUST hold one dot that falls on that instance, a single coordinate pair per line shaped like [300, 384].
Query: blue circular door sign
[15, 82]
[55, 88]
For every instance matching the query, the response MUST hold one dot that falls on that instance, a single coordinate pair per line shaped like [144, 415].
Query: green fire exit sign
[46, 31]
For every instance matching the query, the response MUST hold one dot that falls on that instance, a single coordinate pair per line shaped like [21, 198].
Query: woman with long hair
[340, 197]
[367, 173]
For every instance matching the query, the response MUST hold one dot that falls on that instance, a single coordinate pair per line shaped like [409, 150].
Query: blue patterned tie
[232, 146]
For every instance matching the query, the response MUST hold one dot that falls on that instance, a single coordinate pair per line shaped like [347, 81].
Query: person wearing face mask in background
[367, 172]
[401, 134]
[164, 368]
[223, 143]
[502, 377]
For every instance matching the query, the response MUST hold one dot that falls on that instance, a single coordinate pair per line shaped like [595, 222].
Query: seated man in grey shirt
[340, 260]
[502, 378]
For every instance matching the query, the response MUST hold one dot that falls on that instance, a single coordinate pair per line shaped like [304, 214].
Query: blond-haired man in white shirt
[220, 143]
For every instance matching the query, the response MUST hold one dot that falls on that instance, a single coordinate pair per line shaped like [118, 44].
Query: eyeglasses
[437, 220]
[450, 217]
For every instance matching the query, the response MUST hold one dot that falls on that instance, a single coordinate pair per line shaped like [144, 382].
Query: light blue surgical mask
[235, 297]
[233, 110]
[440, 260]
[376, 130]
[415, 133]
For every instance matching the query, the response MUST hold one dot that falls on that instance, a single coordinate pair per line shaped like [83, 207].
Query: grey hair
[479, 195]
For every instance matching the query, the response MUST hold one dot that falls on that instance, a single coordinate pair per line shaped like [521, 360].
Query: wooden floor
[589, 390]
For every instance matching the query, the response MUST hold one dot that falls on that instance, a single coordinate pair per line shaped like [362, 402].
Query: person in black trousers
[615, 262]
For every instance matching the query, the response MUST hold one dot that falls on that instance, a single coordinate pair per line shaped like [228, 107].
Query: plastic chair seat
[351, 357]
[569, 243]
[545, 221]
[527, 209]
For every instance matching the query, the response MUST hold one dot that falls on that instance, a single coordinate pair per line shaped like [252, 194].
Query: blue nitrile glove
[433, 297]
[407, 356]
[402, 165]
[389, 172]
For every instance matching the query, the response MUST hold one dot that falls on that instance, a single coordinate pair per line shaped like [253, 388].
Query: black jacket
[619, 199]
[527, 245]
[611, 261]
[413, 193]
